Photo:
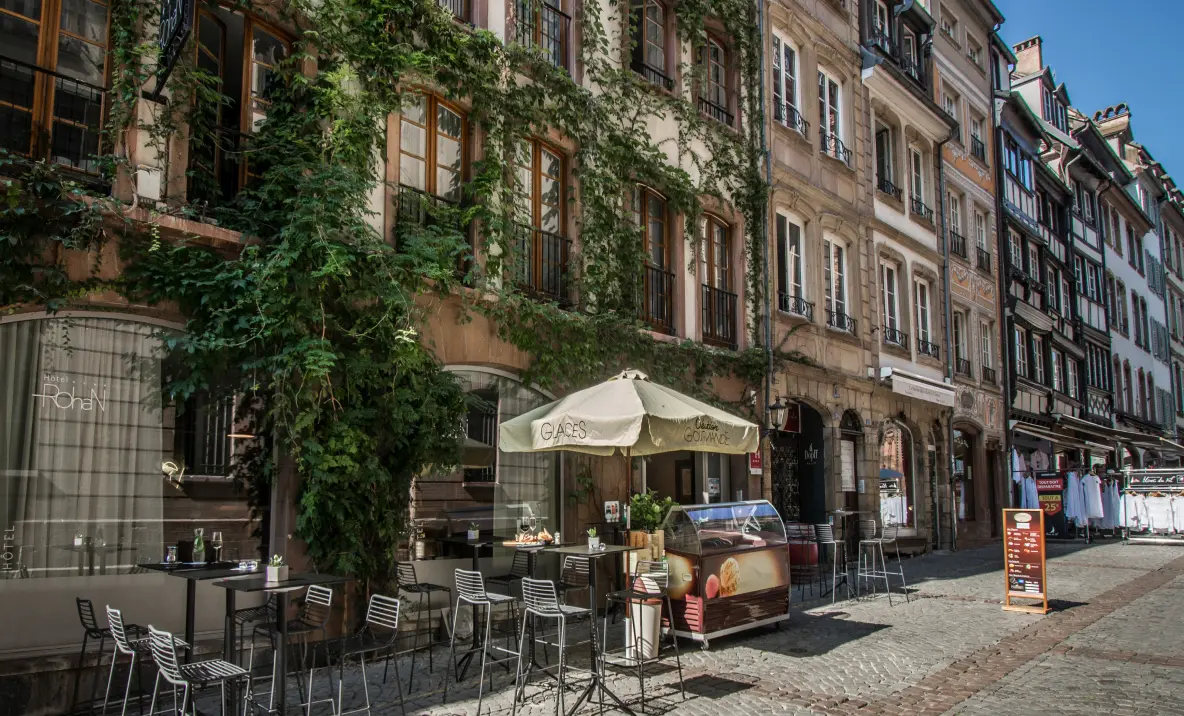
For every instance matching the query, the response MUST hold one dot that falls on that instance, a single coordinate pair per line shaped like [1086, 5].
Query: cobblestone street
[1113, 643]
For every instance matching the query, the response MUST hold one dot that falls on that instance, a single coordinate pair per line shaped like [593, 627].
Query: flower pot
[473, 535]
[277, 574]
[593, 543]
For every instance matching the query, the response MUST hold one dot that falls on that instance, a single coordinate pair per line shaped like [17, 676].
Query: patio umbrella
[629, 415]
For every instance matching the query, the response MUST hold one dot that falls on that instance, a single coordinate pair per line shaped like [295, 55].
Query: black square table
[597, 680]
[476, 545]
[256, 584]
[192, 573]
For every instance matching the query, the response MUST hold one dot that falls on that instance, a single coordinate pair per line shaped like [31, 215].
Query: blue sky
[1109, 52]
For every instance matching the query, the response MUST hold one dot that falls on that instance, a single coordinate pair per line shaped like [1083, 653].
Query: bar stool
[573, 577]
[519, 568]
[194, 676]
[265, 612]
[542, 602]
[869, 551]
[470, 589]
[313, 616]
[888, 537]
[825, 537]
[133, 646]
[650, 581]
[406, 581]
[91, 631]
[378, 633]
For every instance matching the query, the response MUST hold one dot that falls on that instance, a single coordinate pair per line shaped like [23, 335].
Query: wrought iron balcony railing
[840, 320]
[919, 208]
[978, 149]
[888, 188]
[458, 8]
[715, 111]
[984, 259]
[544, 26]
[989, 375]
[927, 348]
[957, 243]
[657, 300]
[962, 366]
[895, 337]
[719, 317]
[789, 116]
[654, 76]
[543, 264]
[796, 305]
[47, 115]
[831, 145]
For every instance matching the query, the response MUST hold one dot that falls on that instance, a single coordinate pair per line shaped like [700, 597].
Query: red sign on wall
[756, 463]
[793, 418]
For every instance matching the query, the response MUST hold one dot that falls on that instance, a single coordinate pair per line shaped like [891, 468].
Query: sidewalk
[1113, 642]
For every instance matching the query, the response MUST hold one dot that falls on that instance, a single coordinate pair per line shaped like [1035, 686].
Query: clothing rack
[1168, 481]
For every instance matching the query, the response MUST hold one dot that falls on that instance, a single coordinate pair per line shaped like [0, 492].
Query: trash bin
[643, 628]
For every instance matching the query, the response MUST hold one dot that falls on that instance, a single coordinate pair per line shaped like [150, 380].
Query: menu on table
[1024, 559]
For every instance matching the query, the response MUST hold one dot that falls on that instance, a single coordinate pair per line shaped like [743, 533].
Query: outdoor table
[86, 555]
[192, 573]
[851, 537]
[476, 545]
[597, 680]
[255, 585]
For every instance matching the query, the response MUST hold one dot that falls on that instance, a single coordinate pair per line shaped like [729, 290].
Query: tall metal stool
[193, 676]
[378, 634]
[869, 553]
[92, 631]
[888, 538]
[573, 577]
[133, 646]
[519, 568]
[650, 581]
[313, 616]
[406, 581]
[470, 589]
[542, 602]
[265, 612]
[825, 536]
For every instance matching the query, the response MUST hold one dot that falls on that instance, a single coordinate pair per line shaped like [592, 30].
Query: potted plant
[277, 571]
[646, 515]
[474, 532]
[593, 540]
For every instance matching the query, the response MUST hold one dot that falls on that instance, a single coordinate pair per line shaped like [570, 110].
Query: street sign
[1024, 560]
[176, 20]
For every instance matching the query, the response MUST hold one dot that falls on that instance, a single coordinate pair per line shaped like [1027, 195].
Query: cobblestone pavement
[1114, 643]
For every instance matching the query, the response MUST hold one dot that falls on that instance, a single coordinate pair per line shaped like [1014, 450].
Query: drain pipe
[760, 27]
[945, 273]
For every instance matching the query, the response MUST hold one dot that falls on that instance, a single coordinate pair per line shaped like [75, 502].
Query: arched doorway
[898, 485]
[799, 467]
[965, 472]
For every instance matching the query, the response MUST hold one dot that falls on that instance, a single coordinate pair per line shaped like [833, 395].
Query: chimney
[1029, 56]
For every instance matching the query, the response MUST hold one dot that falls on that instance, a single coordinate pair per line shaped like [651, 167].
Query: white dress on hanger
[1091, 487]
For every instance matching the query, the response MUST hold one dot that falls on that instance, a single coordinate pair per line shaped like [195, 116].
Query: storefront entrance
[799, 468]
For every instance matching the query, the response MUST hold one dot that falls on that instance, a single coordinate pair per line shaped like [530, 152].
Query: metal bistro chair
[837, 551]
[313, 616]
[137, 647]
[92, 631]
[470, 589]
[194, 676]
[519, 568]
[650, 581]
[378, 634]
[542, 602]
[574, 577]
[869, 553]
[888, 538]
[265, 613]
[800, 571]
[406, 581]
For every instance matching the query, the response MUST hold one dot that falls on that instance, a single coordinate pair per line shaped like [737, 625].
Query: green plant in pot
[593, 539]
[647, 512]
[277, 571]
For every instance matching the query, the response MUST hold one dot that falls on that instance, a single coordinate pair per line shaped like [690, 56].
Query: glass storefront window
[897, 486]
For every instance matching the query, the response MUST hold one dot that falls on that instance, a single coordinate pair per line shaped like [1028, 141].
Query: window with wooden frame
[719, 302]
[786, 101]
[53, 62]
[543, 247]
[544, 25]
[715, 85]
[241, 54]
[651, 213]
[432, 148]
[790, 284]
[1021, 351]
[651, 29]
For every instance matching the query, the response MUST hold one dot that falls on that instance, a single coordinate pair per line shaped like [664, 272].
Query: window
[1038, 359]
[830, 120]
[1138, 320]
[540, 204]
[949, 102]
[1124, 317]
[908, 55]
[1116, 233]
[980, 230]
[789, 261]
[889, 303]
[714, 94]
[658, 283]
[921, 308]
[716, 253]
[1015, 246]
[884, 162]
[1134, 247]
[984, 344]
[1066, 305]
[955, 212]
[650, 23]
[1071, 378]
[960, 353]
[883, 24]
[834, 276]
[1128, 388]
[974, 51]
[917, 177]
[544, 26]
[1150, 398]
[1034, 261]
[1054, 290]
[785, 85]
[1091, 282]
[1054, 365]
[432, 148]
[1141, 396]
[1021, 351]
[949, 25]
[1017, 164]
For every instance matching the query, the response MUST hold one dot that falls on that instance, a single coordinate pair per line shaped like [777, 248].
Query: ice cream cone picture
[729, 577]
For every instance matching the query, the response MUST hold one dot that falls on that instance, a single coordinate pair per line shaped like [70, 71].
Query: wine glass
[216, 543]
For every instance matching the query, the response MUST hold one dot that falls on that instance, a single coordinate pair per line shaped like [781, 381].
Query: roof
[1026, 111]
[1004, 48]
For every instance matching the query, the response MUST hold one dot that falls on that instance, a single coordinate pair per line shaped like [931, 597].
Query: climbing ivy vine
[318, 318]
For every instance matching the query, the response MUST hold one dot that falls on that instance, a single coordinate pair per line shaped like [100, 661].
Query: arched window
[651, 214]
[898, 498]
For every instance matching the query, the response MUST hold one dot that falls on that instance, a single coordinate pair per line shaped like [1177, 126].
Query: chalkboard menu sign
[176, 20]
[1023, 561]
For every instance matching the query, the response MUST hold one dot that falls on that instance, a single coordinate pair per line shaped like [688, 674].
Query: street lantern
[776, 414]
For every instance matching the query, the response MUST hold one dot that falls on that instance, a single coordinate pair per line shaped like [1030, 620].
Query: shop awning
[912, 385]
[1099, 432]
[1055, 439]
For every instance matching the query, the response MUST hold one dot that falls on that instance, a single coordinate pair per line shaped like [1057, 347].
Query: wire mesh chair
[650, 582]
[574, 577]
[888, 538]
[194, 676]
[837, 551]
[312, 617]
[870, 555]
[519, 568]
[470, 589]
[541, 601]
[264, 612]
[134, 645]
[801, 572]
[407, 581]
[378, 634]
[91, 631]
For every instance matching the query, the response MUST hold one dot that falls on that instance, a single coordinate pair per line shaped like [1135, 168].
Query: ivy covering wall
[316, 319]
